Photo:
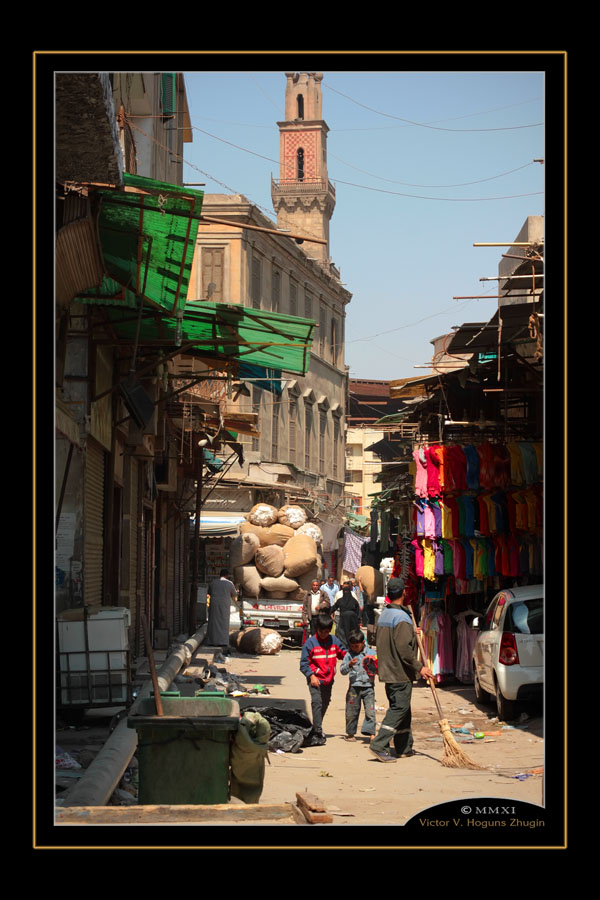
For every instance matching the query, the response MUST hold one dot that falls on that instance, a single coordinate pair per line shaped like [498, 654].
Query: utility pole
[199, 465]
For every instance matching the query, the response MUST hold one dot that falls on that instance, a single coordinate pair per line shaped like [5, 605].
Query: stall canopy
[214, 524]
[147, 236]
[224, 331]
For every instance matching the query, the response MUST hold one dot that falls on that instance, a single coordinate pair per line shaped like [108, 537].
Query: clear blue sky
[408, 197]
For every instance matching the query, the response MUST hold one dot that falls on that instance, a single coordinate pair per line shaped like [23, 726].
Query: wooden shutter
[256, 282]
[212, 272]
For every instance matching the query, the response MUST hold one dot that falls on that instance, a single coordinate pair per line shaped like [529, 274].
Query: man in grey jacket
[398, 666]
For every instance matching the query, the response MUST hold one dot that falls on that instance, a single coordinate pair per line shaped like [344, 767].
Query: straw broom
[454, 757]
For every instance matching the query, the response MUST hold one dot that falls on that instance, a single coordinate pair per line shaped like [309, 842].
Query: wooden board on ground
[313, 809]
[180, 814]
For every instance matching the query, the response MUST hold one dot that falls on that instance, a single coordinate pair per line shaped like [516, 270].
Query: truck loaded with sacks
[274, 561]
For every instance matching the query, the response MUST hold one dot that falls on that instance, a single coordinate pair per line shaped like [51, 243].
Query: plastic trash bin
[184, 754]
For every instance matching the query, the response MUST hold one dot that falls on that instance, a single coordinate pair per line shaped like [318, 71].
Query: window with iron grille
[322, 331]
[293, 298]
[293, 421]
[256, 287]
[275, 290]
[322, 434]
[256, 392]
[275, 429]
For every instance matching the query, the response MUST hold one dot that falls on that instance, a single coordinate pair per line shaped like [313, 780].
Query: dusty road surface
[358, 789]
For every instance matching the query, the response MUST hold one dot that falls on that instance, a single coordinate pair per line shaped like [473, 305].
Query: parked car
[508, 656]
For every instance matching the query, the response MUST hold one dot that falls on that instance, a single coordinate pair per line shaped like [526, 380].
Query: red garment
[460, 560]
[514, 554]
[486, 465]
[433, 472]
[458, 467]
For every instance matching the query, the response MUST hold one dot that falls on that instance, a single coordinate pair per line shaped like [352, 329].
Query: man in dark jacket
[315, 601]
[398, 666]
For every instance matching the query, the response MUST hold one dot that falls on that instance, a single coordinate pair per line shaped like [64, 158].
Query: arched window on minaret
[300, 99]
[300, 164]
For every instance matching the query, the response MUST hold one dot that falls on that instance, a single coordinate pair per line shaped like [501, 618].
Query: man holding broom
[398, 666]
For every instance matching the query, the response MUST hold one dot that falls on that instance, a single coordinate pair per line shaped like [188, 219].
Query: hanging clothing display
[437, 643]
[352, 558]
[465, 641]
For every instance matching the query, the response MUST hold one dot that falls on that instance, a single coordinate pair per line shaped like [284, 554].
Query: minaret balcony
[306, 186]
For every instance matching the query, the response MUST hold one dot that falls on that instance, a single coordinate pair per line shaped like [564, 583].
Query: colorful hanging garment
[473, 465]
[433, 472]
[421, 476]
[465, 641]
[516, 463]
[529, 462]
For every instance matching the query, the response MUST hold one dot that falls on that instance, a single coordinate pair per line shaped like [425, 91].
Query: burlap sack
[372, 582]
[282, 583]
[294, 516]
[243, 549]
[263, 514]
[273, 595]
[300, 554]
[313, 530]
[269, 560]
[276, 534]
[249, 528]
[306, 579]
[260, 640]
[296, 596]
[250, 578]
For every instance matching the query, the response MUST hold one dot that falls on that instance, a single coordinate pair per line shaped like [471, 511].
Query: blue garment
[473, 461]
[469, 553]
[331, 591]
[357, 674]
[468, 503]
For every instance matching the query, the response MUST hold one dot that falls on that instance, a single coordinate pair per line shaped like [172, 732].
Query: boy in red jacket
[319, 658]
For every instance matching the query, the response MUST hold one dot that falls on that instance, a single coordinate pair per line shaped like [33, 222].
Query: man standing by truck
[221, 592]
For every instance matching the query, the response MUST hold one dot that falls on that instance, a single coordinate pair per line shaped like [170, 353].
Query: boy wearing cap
[398, 667]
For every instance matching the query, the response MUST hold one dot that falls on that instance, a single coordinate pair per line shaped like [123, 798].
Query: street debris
[64, 760]
[324, 774]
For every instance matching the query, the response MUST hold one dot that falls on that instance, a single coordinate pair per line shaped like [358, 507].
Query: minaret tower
[303, 198]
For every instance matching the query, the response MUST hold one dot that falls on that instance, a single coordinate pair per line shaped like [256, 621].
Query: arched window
[300, 164]
[300, 100]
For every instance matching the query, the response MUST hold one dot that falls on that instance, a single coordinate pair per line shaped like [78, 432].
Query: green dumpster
[184, 754]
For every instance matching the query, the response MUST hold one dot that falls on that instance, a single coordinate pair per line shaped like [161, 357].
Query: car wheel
[507, 709]
[481, 696]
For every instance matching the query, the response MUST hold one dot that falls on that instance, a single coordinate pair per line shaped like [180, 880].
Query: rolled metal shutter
[93, 542]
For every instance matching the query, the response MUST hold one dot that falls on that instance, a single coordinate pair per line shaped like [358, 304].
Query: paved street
[358, 789]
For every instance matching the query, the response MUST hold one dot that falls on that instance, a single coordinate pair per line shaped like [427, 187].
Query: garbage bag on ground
[291, 729]
[248, 751]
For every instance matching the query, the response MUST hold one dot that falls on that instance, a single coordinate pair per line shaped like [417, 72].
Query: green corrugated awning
[393, 418]
[225, 331]
[357, 520]
[148, 237]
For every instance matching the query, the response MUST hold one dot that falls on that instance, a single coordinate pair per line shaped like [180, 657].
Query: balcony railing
[308, 185]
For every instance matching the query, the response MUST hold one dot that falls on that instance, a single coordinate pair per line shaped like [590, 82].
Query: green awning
[226, 331]
[393, 418]
[148, 237]
[357, 520]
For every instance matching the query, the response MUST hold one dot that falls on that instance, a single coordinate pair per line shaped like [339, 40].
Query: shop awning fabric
[148, 237]
[225, 331]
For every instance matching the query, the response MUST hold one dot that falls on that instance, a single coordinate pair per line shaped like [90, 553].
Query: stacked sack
[276, 555]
